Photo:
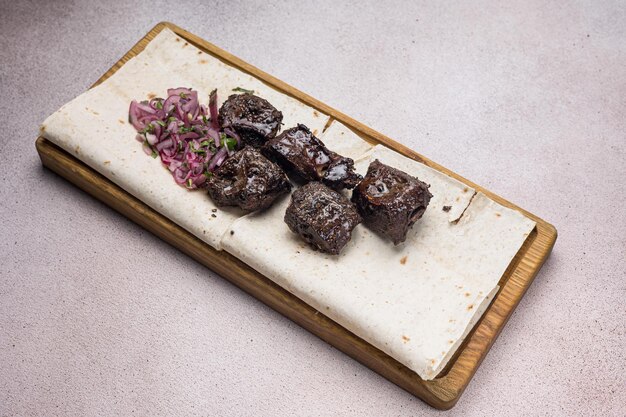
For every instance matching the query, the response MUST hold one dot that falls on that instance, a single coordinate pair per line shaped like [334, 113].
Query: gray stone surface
[98, 317]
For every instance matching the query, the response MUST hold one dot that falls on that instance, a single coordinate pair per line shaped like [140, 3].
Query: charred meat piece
[249, 180]
[322, 217]
[390, 201]
[250, 116]
[299, 152]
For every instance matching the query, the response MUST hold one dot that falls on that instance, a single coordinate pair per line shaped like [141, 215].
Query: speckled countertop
[99, 317]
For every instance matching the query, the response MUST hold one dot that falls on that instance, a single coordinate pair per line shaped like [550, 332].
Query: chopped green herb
[159, 104]
[161, 123]
[171, 119]
[243, 90]
[204, 119]
[205, 143]
[208, 174]
[189, 183]
[194, 150]
[154, 154]
[201, 151]
[183, 95]
[230, 143]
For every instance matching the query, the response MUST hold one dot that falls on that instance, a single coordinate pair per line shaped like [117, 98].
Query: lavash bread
[416, 302]
[94, 127]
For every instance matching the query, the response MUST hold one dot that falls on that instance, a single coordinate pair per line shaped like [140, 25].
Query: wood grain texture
[442, 392]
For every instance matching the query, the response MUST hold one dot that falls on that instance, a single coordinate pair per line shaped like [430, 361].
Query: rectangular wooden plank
[442, 392]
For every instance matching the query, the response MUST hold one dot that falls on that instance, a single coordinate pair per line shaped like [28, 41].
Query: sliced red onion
[172, 127]
[154, 103]
[165, 144]
[176, 128]
[199, 180]
[174, 164]
[147, 119]
[195, 113]
[218, 159]
[145, 107]
[191, 104]
[168, 153]
[133, 115]
[170, 102]
[156, 129]
[215, 135]
[189, 135]
[147, 149]
[179, 175]
[213, 109]
[152, 139]
[182, 116]
[177, 91]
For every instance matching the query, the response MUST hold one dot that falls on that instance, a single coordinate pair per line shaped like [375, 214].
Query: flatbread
[417, 301]
[94, 127]
[344, 141]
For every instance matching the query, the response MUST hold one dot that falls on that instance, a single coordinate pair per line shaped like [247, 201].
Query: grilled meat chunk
[324, 218]
[390, 201]
[300, 153]
[248, 180]
[253, 118]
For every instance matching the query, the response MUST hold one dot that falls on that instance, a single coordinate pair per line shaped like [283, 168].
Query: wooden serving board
[442, 392]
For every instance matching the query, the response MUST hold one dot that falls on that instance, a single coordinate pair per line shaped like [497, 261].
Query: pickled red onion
[178, 130]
